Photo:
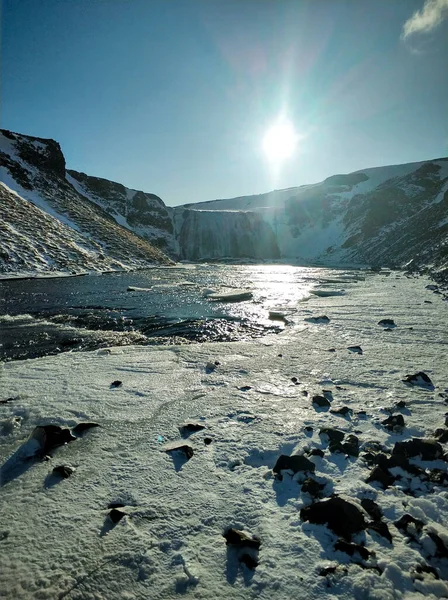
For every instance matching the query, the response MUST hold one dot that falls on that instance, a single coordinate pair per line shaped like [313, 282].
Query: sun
[280, 141]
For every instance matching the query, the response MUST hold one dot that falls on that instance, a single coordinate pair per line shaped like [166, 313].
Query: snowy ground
[57, 541]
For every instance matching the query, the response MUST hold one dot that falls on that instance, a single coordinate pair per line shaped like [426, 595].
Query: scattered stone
[387, 329]
[191, 427]
[245, 388]
[280, 355]
[51, 436]
[308, 428]
[344, 411]
[294, 463]
[331, 349]
[406, 520]
[117, 383]
[428, 301]
[441, 435]
[342, 517]
[313, 488]
[116, 515]
[4, 535]
[401, 404]
[210, 367]
[381, 529]
[421, 379]
[378, 475]
[7, 400]
[356, 349]
[80, 428]
[441, 548]
[387, 323]
[63, 471]
[336, 447]
[208, 441]
[321, 401]
[317, 452]
[394, 423]
[427, 449]
[351, 549]
[180, 447]
[334, 435]
[351, 446]
[330, 570]
[431, 287]
[235, 537]
[421, 569]
[321, 319]
[295, 380]
[372, 508]
[248, 560]
[304, 393]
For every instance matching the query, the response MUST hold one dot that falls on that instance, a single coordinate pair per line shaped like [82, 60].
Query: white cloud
[428, 18]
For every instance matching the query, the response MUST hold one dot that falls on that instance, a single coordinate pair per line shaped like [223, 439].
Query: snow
[56, 538]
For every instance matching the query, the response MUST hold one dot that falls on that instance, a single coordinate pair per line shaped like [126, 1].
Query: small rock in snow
[344, 411]
[245, 388]
[421, 379]
[372, 508]
[116, 515]
[355, 349]
[117, 383]
[342, 517]
[294, 463]
[191, 427]
[236, 537]
[387, 323]
[312, 487]
[381, 529]
[63, 471]
[331, 349]
[441, 435]
[248, 560]
[211, 366]
[321, 401]
[379, 475]
[394, 423]
[426, 448]
[208, 441]
[180, 447]
[295, 380]
[401, 404]
[321, 319]
[406, 520]
[316, 452]
[334, 435]
[51, 436]
[351, 549]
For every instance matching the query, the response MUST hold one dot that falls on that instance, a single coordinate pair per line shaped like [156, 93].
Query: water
[47, 316]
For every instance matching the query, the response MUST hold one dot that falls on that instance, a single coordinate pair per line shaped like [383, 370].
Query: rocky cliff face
[46, 224]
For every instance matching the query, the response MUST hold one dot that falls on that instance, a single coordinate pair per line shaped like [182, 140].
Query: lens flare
[279, 142]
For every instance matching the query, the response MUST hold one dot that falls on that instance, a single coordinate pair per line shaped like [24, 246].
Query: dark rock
[351, 549]
[235, 537]
[317, 452]
[321, 401]
[344, 411]
[294, 380]
[328, 394]
[351, 446]
[63, 471]
[372, 508]
[406, 520]
[117, 383]
[394, 423]
[420, 569]
[116, 515]
[51, 436]
[387, 323]
[356, 349]
[441, 548]
[342, 517]
[381, 529]
[336, 447]
[245, 388]
[208, 441]
[331, 349]
[321, 319]
[427, 449]
[420, 379]
[280, 355]
[191, 427]
[304, 393]
[248, 560]
[330, 570]
[4, 535]
[378, 475]
[441, 435]
[401, 404]
[80, 428]
[427, 301]
[116, 505]
[308, 428]
[185, 448]
[312, 487]
[294, 463]
[334, 435]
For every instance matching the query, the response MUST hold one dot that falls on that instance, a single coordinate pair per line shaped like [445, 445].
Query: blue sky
[174, 96]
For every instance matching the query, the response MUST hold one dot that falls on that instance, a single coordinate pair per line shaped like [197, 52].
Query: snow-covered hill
[380, 216]
[47, 225]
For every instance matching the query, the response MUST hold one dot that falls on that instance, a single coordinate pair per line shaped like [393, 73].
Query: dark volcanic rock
[294, 463]
[208, 441]
[116, 515]
[381, 476]
[181, 447]
[381, 529]
[321, 401]
[394, 423]
[51, 436]
[116, 383]
[235, 537]
[63, 471]
[342, 517]
[334, 435]
[312, 487]
[441, 435]
[80, 428]
[316, 452]
[344, 411]
[191, 427]
[420, 379]
[372, 508]
[356, 349]
[387, 323]
[351, 446]
[351, 549]
[321, 319]
[406, 520]
[426, 448]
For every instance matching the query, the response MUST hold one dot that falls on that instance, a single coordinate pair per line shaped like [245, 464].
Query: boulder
[293, 463]
[341, 516]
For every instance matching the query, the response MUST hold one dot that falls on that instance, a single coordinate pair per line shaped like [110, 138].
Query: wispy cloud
[425, 20]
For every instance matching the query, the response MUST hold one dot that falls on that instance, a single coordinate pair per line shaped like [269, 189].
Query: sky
[174, 97]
